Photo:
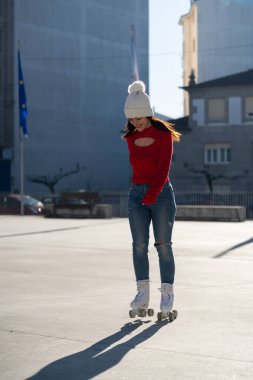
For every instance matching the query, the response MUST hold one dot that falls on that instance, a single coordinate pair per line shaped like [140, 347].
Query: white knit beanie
[137, 103]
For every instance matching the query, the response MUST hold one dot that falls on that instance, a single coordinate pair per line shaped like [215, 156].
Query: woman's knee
[140, 248]
[163, 243]
[164, 247]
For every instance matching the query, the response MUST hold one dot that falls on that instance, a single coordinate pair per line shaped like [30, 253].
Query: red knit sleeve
[161, 176]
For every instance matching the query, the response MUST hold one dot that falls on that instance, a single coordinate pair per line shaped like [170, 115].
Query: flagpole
[135, 68]
[21, 151]
[21, 162]
[22, 128]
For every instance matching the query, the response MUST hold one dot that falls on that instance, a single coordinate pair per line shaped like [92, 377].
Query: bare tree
[51, 181]
[210, 178]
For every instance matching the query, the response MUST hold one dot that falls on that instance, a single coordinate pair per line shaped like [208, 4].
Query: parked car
[11, 205]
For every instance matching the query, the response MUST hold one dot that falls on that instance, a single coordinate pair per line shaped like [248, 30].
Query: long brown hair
[157, 123]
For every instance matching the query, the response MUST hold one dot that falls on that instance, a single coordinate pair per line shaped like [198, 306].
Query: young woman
[151, 197]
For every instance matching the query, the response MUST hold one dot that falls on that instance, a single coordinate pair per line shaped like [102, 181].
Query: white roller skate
[140, 304]
[166, 305]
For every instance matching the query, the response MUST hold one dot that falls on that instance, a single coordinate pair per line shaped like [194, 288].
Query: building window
[217, 154]
[216, 110]
[249, 107]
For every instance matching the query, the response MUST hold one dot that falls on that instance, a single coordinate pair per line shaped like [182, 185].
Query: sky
[166, 53]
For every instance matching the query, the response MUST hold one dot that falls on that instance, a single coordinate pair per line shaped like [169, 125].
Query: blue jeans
[162, 214]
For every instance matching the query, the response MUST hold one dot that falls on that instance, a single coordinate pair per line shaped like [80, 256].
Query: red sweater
[151, 164]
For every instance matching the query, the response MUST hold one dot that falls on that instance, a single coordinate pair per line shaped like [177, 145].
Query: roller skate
[140, 304]
[166, 305]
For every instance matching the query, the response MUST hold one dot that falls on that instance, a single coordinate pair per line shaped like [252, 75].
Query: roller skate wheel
[159, 316]
[175, 313]
[132, 314]
[142, 313]
[171, 316]
[150, 312]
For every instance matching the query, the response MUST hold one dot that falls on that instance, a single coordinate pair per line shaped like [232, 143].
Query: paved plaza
[65, 289]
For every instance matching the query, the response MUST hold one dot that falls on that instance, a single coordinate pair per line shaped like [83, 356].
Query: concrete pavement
[65, 288]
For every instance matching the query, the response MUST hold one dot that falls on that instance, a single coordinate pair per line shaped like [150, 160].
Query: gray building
[216, 151]
[77, 64]
[217, 39]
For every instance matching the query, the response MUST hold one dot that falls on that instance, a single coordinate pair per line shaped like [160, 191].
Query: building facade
[77, 65]
[217, 39]
[216, 151]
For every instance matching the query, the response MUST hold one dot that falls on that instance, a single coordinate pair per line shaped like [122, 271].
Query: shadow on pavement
[249, 241]
[97, 358]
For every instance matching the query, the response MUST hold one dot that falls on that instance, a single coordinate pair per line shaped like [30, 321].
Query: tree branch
[51, 182]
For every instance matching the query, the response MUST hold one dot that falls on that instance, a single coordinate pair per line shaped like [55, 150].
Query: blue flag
[22, 99]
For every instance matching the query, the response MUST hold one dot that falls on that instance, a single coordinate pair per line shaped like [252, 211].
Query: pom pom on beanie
[137, 102]
[136, 86]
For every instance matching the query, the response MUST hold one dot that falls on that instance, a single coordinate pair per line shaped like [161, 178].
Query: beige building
[190, 47]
